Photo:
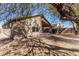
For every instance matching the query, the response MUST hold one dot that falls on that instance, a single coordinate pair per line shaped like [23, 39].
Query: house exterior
[31, 24]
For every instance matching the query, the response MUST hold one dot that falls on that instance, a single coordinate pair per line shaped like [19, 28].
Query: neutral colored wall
[27, 24]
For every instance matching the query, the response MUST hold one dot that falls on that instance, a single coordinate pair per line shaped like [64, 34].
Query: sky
[51, 17]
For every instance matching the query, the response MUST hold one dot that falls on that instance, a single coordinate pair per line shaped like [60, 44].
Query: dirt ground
[42, 45]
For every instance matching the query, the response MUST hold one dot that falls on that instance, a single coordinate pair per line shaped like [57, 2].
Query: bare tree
[68, 12]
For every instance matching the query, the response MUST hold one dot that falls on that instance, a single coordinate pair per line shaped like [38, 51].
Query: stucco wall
[26, 25]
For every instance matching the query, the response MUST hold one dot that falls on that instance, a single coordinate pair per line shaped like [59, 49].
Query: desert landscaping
[44, 44]
[50, 29]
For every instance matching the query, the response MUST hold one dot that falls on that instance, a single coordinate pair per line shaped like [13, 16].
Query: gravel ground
[40, 46]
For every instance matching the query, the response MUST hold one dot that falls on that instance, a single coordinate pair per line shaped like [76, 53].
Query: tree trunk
[75, 27]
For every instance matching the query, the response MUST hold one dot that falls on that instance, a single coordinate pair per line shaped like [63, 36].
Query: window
[35, 27]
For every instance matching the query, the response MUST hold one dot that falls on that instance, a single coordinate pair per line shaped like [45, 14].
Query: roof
[25, 17]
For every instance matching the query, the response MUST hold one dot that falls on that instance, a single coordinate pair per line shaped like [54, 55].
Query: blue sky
[48, 15]
[51, 17]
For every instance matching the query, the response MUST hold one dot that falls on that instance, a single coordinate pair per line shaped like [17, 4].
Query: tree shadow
[5, 41]
[52, 47]
[63, 39]
[38, 44]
